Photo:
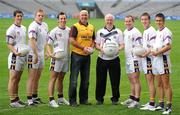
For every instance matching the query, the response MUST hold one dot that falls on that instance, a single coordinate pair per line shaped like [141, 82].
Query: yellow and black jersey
[84, 35]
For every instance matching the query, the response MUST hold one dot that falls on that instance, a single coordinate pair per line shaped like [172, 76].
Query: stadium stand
[71, 7]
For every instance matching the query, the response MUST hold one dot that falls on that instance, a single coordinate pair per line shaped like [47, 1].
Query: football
[110, 48]
[23, 49]
[139, 50]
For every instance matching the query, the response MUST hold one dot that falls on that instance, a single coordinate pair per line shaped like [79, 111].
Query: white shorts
[16, 62]
[133, 65]
[147, 65]
[161, 65]
[39, 64]
[59, 65]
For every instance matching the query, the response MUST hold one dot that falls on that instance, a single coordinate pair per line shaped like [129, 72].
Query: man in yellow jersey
[82, 38]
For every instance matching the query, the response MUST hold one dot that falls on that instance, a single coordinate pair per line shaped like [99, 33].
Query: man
[149, 35]
[161, 61]
[106, 63]
[15, 35]
[132, 38]
[37, 33]
[82, 38]
[59, 40]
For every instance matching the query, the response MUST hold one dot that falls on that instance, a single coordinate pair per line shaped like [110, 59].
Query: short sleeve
[167, 39]
[120, 35]
[10, 36]
[73, 32]
[98, 38]
[137, 36]
[51, 37]
[32, 31]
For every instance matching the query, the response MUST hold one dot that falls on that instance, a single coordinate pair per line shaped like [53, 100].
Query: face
[83, 17]
[129, 22]
[18, 18]
[62, 20]
[159, 22]
[145, 21]
[109, 21]
[39, 16]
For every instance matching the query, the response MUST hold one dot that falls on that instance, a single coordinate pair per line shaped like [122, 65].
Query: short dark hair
[161, 15]
[146, 14]
[17, 12]
[130, 16]
[60, 13]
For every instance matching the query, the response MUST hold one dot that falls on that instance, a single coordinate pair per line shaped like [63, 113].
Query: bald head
[109, 21]
[84, 12]
[83, 16]
[109, 16]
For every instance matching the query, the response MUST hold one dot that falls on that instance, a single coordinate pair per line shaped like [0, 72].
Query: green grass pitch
[105, 109]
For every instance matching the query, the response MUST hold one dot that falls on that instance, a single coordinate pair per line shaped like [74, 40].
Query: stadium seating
[116, 7]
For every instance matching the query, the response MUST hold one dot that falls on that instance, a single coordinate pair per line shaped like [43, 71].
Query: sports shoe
[134, 104]
[37, 101]
[22, 103]
[53, 104]
[115, 102]
[145, 104]
[148, 107]
[159, 108]
[127, 102]
[167, 111]
[16, 105]
[30, 102]
[62, 101]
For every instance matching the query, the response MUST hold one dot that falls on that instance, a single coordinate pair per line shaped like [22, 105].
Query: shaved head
[83, 12]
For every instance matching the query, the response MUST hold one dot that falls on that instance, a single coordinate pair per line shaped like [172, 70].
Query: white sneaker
[145, 104]
[134, 104]
[53, 104]
[63, 101]
[159, 108]
[127, 102]
[148, 107]
[17, 105]
[167, 111]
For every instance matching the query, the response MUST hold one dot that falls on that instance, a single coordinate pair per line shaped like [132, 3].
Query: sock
[169, 105]
[34, 95]
[60, 96]
[51, 98]
[15, 99]
[161, 104]
[131, 97]
[29, 97]
[137, 99]
[151, 103]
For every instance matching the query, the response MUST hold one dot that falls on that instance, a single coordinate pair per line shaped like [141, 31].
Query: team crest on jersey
[18, 33]
[58, 36]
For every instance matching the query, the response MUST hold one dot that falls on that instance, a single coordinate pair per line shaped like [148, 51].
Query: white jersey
[39, 31]
[163, 37]
[16, 35]
[149, 36]
[161, 63]
[59, 39]
[104, 34]
[132, 38]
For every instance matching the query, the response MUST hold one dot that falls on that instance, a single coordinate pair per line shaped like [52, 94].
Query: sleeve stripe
[167, 37]
[8, 36]
[32, 31]
[50, 38]
[138, 38]
[152, 38]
